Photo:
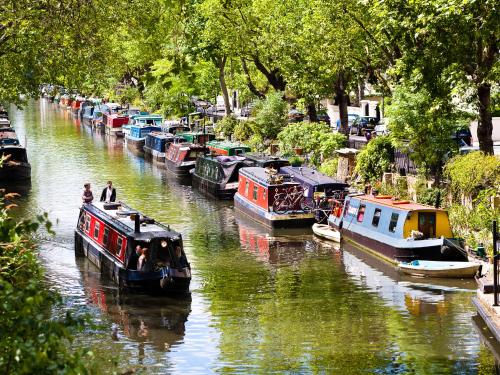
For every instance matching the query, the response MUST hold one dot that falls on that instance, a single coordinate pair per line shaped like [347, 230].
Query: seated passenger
[142, 263]
[134, 258]
[181, 256]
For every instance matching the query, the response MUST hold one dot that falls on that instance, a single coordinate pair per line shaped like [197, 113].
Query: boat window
[346, 208]
[255, 192]
[96, 230]
[361, 212]
[394, 222]
[264, 194]
[376, 217]
[81, 224]
[119, 243]
[87, 223]
[246, 188]
[105, 238]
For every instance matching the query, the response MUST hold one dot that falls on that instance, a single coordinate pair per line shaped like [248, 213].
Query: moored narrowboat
[180, 158]
[138, 128]
[108, 235]
[157, 143]
[14, 159]
[200, 138]
[397, 230]
[76, 104]
[227, 148]
[114, 123]
[217, 176]
[271, 198]
[258, 159]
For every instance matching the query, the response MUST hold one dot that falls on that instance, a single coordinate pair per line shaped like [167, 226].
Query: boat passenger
[143, 262]
[134, 258]
[87, 196]
[181, 256]
[108, 193]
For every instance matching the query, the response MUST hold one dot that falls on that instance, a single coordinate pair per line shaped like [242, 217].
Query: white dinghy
[429, 268]
[325, 231]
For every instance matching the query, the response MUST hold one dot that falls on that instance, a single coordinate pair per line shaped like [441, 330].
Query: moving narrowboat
[157, 143]
[197, 137]
[227, 148]
[180, 158]
[108, 234]
[114, 123]
[217, 176]
[320, 190]
[271, 198]
[397, 230]
[138, 128]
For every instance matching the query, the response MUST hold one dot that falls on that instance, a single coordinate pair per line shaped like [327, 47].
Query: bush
[270, 116]
[430, 196]
[329, 167]
[243, 130]
[375, 159]
[226, 126]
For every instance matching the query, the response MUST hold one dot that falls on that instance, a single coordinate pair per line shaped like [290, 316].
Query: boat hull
[271, 219]
[179, 170]
[20, 172]
[447, 270]
[154, 154]
[396, 254]
[150, 282]
[117, 132]
[325, 231]
[213, 189]
[135, 144]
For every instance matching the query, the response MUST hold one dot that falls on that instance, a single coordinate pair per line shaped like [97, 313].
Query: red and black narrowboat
[180, 158]
[114, 123]
[271, 198]
[108, 234]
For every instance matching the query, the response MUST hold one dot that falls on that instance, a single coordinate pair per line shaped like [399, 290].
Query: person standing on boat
[87, 196]
[108, 193]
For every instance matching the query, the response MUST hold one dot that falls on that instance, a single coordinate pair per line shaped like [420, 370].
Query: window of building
[394, 222]
[119, 243]
[361, 212]
[376, 217]
[105, 237]
[96, 230]
[255, 192]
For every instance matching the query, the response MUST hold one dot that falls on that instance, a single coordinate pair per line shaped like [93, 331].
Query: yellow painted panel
[442, 224]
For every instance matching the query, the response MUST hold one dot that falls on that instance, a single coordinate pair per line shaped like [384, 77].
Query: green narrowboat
[227, 148]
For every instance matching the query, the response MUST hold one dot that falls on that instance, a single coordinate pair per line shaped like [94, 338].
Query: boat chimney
[137, 222]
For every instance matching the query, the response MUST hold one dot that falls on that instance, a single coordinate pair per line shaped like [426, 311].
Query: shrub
[329, 167]
[270, 116]
[243, 130]
[226, 126]
[375, 159]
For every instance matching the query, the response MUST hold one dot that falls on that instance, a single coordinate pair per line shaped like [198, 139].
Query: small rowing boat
[428, 268]
[325, 231]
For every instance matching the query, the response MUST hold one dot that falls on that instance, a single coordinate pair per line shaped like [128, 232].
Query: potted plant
[298, 150]
[296, 161]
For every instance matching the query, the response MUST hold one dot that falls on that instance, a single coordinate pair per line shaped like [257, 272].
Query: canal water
[261, 301]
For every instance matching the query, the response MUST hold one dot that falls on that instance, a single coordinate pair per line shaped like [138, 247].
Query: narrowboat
[217, 176]
[114, 123]
[272, 199]
[138, 128]
[258, 159]
[157, 143]
[227, 148]
[76, 104]
[14, 163]
[174, 127]
[320, 190]
[108, 234]
[200, 138]
[180, 158]
[4, 122]
[396, 230]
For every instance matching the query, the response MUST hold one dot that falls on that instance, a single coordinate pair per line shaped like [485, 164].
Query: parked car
[294, 115]
[381, 129]
[322, 116]
[350, 119]
[463, 137]
[362, 124]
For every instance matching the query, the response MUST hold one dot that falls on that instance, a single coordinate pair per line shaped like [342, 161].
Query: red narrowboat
[271, 198]
[108, 235]
[75, 105]
[180, 158]
[114, 123]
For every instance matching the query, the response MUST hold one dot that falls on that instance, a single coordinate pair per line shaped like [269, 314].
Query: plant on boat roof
[296, 160]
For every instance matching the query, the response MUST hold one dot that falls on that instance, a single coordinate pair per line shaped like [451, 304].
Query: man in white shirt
[109, 193]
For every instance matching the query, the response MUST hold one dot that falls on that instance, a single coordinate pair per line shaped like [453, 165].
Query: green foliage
[296, 161]
[243, 130]
[472, 172]
[423, 126]
[270, 116]
[375, 159]
[430, 196]
[226, 126]
[315, 139]
[329, 167]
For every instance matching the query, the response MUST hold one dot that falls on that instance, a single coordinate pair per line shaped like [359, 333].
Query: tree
[375, 159]
[270, 116]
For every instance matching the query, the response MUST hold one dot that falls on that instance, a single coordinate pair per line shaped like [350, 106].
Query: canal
[261, 302]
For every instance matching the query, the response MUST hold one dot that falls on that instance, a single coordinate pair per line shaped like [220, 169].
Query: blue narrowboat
[108, 235]
[138, 128]
[396, 230]
[157, 144]
[271, 198]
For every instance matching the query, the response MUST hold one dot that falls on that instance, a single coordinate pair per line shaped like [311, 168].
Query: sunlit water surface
[261, 301]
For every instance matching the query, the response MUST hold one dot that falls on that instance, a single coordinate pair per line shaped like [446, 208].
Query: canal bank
[261, 301]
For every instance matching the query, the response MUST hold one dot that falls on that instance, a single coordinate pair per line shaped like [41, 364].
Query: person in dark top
[109, 193]
[87, 196]
[134, 258]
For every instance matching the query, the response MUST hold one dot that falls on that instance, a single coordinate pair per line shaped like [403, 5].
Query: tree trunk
[221, 62]
[250, 84]
[485, 123]
[274, 76]
[311, 112]
[342, 99]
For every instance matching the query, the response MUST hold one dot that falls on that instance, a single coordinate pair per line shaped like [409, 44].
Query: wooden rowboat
[428, 268]
[325, 231]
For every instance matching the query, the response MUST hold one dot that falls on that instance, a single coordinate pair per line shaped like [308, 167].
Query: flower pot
[298, 150]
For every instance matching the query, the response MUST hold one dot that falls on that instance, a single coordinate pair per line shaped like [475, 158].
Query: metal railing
[496, 259]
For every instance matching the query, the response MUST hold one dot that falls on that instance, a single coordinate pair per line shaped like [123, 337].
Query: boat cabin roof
[226, 145]
[311, 177]
[120, 216]
[161, 135]
[261, 175]
[389, 201]
[262, 160]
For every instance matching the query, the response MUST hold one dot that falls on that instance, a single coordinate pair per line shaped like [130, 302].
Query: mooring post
[495, 264]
